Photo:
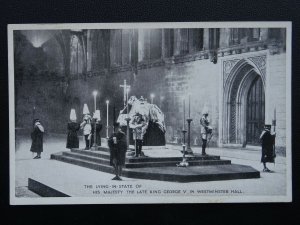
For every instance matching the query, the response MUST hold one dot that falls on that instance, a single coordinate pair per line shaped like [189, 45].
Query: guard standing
[87, 128]
[73, 127]
[205, 130]
[117, 145]
[138, 124]
[37, 138]
[267, 144]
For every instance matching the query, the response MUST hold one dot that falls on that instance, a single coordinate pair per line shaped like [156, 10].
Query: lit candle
[189, 106]
[183, 114]
[95, 94]
[107, 102]
[275, 113]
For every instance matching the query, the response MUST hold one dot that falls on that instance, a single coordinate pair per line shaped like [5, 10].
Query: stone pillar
[206, 39]
[163, 44]
[177, 40]
[134, 47]
[89, 50]
[224, 37]
[140, 45]
[263, 34]
[143, 45]
[283, 35]
[116, 48]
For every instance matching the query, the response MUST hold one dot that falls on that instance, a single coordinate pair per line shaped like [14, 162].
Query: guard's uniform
[267, 143]
[204, 132]
[87, 128]
[117, 149]
[138, 126]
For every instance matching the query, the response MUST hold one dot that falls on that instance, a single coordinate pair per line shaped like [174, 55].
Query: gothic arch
[238, 75]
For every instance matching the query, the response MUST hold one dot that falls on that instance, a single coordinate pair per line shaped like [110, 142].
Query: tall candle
[107, 112]
[189, 105]
[107, 102]
[184, 114]
[275, 113]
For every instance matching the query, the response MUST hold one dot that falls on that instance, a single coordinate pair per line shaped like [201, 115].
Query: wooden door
[255, 111]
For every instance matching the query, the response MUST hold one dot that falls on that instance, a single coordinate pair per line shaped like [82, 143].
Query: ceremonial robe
[117, 150]
[37, 139]
[72, 139]
[267, 143]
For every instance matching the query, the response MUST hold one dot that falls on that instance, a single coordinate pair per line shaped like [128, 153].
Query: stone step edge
[149, 163]
[97, 154]
[168, 177]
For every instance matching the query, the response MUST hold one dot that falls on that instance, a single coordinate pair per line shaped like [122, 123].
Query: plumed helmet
[73, 116]
[85, 109]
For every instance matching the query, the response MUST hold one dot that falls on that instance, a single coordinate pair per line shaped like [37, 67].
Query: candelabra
[189, 149]
[184, 162]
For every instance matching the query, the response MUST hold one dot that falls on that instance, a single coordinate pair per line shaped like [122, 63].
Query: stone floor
[271, 184]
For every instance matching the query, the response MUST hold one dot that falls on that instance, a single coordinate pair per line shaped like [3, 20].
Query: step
[172, 173]
[174, 163]
[157, 159]
[83, 163]
[99, 154]
[87, 157]
[138, 164]
[105, 155]
[194, 173]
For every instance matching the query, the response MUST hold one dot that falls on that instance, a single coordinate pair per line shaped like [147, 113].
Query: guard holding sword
[205, 130]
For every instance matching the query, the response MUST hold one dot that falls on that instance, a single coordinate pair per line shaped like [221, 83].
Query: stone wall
[276, 95]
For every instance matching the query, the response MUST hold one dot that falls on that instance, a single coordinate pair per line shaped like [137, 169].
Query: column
[264, 34]
[224, 37]
[177, 40]
[206, 39]
[89, 50]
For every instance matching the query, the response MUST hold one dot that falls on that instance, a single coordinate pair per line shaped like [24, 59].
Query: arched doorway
[255, 111]
[243, 104]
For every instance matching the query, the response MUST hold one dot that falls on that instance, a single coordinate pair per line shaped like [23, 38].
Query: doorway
[255, 111]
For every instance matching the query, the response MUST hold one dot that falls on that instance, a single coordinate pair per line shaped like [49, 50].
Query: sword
[211, 135]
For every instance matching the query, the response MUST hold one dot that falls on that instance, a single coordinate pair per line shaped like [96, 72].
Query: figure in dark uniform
[117, 145]
[267, 143]
[87, 128]
[73, 127]
[37, 138]
[98, 130]
[138, 124]
[205, 130]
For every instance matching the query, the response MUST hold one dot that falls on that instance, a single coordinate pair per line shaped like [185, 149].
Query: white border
[153, 199]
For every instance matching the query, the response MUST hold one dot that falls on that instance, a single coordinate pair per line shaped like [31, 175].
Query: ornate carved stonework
[234, 71]
[259, 61]
[227, 67]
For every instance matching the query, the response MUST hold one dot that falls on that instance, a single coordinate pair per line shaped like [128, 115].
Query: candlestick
[107, 103]
[152, 97]
[127, 92]
[95, 94]
[183, 114]
[189, 105]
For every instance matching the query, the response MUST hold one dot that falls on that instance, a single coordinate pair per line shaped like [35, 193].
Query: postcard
[138, 113]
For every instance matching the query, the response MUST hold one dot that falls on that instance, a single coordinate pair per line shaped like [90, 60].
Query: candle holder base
[184, 162]
[189, 149]
[94, 148]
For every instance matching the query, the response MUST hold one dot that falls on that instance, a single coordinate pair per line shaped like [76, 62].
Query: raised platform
[201, 168]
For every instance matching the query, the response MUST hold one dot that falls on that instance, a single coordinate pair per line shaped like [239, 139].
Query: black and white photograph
[126, 113]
